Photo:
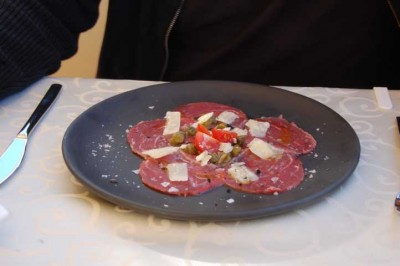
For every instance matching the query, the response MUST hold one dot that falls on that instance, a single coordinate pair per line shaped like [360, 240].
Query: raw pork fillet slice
[287, 136]
[275, 175]
[154, 174]
[195, 110]
[147, 135]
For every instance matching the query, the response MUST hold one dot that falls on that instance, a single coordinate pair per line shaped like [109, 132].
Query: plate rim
[183, 215]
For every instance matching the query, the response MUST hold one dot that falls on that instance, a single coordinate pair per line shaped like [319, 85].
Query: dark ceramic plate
[96, 151]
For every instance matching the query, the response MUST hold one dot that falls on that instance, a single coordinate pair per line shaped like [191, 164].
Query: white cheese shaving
[257, 128]
[274, 179]
[173, 123]
[205, 117]
[263, 149]
[165, 184]
[225, 147]
[230, 201]
[160, 152]
[136, 171]
[177, 171]
[173, 189]
[203, 158]
[239, 131]
[241, 173]
[227, 117]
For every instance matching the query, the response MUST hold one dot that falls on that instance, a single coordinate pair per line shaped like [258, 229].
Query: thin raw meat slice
[287, 136]
[147, 135]
[275, 175]
[195, 110]
[201, 179]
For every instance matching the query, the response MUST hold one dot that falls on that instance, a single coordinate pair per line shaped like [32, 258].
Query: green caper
[190, 131]
[236, 150]
[177, 138]
[224, 159]
[190, 149]
[240, 140]
[209, 123]
[214, 158]
[221, 126]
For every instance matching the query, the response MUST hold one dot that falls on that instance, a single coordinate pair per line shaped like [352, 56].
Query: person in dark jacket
[335, 43]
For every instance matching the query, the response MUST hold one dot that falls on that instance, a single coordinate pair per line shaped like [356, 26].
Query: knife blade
[11, 159]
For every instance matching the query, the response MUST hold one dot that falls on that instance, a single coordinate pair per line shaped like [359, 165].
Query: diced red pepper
[203, 129]
[224, 135]
[204, 142]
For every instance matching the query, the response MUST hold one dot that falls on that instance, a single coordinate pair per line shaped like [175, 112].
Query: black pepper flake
[228, 191]
[258, 171]
[208, 180]
[113, 181]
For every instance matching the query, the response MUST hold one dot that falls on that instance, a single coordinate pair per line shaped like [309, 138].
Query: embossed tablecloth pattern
[54, 220]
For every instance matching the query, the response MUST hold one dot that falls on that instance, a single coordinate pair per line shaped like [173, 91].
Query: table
[54, 220]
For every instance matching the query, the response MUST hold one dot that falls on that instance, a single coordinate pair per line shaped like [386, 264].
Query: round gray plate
[96, 151]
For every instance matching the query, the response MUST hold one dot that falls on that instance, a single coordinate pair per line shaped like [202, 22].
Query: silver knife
[12, 157]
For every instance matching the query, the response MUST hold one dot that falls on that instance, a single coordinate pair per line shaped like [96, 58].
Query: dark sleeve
[395, 7]
[35, 35]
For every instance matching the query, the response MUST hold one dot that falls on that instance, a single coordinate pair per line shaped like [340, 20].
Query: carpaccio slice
[195, 110]
[200, 178]
[287, 136]
[148, 135]
[275, 175]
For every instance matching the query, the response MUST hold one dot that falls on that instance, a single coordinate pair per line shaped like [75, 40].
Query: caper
[190, 149]
[214, 158]
[190, 131]
[221, 126]
[240, 140]
[236, 150]
[177, 138]
[209, 123]
[224, 159]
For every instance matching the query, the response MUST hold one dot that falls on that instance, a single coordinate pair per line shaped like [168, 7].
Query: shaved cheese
[178, 172]
[263, 149]
[227, 117]
[205, 117]
[225, 147]
[241, 173]
[203, 158]
[173, 123]
[257, 128]
[165, 184]
[160, 152]
[173, 190]
[240, 132]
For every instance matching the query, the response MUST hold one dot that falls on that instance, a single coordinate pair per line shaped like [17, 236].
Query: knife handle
[44, 104]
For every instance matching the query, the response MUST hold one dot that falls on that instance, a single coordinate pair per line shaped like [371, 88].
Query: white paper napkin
[383, 98]
[3, 213]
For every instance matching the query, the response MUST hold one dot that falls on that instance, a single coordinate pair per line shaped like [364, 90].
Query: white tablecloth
[54, 220]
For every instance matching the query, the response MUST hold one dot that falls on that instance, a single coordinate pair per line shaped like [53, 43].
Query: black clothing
[335, 43]
[35, 35]
[146, 39]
